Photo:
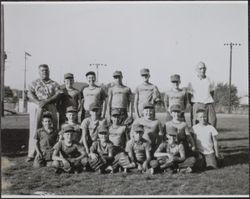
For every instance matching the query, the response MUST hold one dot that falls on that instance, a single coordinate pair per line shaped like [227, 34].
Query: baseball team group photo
[85, 117]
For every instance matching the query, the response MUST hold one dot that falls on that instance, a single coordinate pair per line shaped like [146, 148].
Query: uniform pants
[42, 161]
[35, 113]
[206, 161]
[209, 110]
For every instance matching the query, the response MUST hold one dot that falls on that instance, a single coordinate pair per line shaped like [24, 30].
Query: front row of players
[96, 146]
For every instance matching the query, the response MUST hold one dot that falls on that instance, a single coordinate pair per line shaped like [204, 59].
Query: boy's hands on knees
[66, 163]
[93, 156]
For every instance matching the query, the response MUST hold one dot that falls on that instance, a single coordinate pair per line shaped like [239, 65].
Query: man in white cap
[201, 95]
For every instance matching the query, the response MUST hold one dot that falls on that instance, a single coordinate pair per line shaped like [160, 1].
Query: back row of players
[135, 143]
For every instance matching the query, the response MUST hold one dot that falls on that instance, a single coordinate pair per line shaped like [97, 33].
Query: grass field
[232, 178]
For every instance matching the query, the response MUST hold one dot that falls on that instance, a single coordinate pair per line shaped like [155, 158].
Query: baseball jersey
[98, 148]
[203, 138]
[46, 140]
[200, 90]
[147, 93]
[174, 96]
[117, 136]
[175, 150]
[43, 89]
[68, 98]
[73, 151]
[93, 95]
[152, 129]
[139, 148]
[121, 96]
[76, 136]
[89, 127]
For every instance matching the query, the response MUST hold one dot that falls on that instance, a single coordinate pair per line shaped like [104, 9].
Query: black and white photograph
[124, 99]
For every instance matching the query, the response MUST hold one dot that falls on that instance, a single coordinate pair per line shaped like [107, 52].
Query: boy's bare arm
[136, 105]
[182, 155]
[38, 150]
[216, 148]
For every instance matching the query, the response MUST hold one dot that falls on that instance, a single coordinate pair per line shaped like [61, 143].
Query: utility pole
[24, 86]
[231, 44]
[97, 69]
[2, 69]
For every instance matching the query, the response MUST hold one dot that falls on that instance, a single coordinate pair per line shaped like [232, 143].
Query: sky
[166, 37]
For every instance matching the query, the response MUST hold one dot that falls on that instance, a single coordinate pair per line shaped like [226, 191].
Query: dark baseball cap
[138, 128]
[148, 105]
[103, 129]
[94, 106]
[68, 76]
[115, 112]
[117, 73]
[175, 78]
[201, 109]
[144, 71]
[68, 129]
[47, 114]
[90, 73]
[71, 109]
[175, 108]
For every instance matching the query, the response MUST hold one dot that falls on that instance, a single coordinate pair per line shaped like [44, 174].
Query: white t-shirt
[200, 90]
[203, 138]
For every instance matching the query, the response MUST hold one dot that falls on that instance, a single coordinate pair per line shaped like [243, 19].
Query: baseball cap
[47, 114]
[68, 129]
[71, 109]
[117, 73]
[201, 65]
[94, 106]
[115, 112]
[171, 130]
[90, 73]
[148, 105]
[68, 76]
[138, 128]
[144, 71]
[175, 108]
[175, 78]
[103, 129]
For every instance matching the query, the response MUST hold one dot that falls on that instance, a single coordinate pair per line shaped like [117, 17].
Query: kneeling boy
[46, 138]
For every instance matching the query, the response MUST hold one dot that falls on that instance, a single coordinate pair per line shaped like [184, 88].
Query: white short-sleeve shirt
[203, 138]
[200, 90]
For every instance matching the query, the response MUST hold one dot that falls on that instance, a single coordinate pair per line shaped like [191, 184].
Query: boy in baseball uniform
[171, 154]
[71, 115]
[183, 134]
[145, 93]
[119, 98]
[45, 138]
[153, 131]
[175, 95]
[69, 156]
[205, 136]
[102, 152]
[139, 149]
[69, 97]
[89, 126]
[93, 94]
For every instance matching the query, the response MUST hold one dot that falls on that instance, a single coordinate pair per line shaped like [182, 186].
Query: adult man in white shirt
[201, 95]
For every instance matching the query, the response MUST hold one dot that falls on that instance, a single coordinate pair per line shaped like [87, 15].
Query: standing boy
[69, 97]
[120, 98]
[93, 94]
[175, 95]
[46, 138]
[68, 155]
[145, 93]
[206, 141]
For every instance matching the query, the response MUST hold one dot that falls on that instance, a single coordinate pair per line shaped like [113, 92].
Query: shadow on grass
[235, 158]
[226, 130]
